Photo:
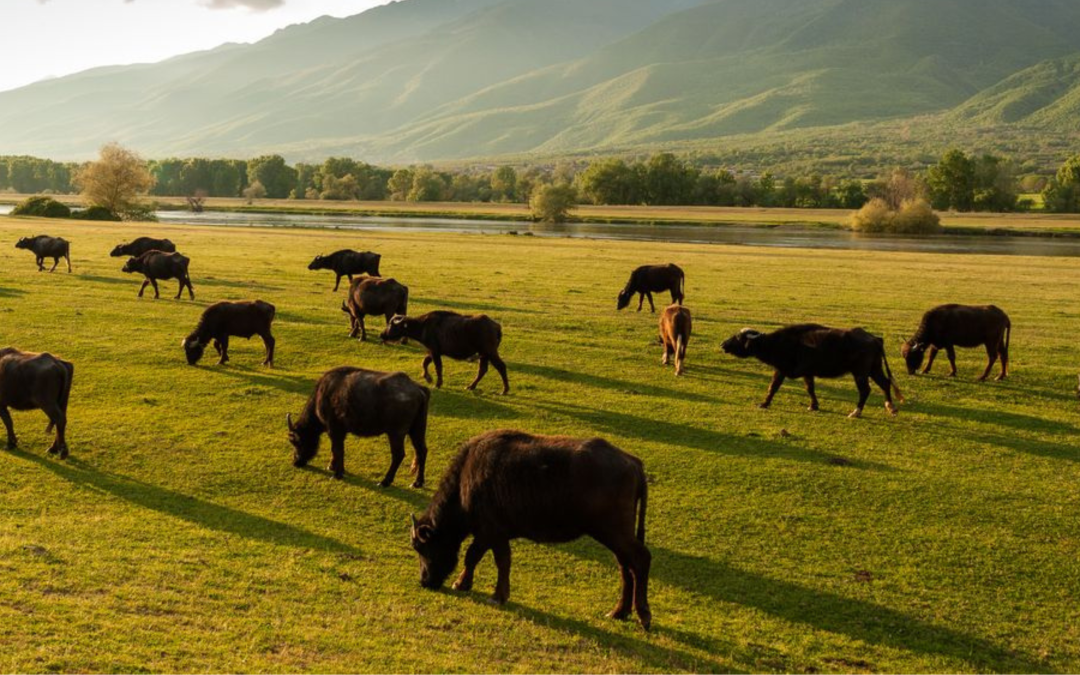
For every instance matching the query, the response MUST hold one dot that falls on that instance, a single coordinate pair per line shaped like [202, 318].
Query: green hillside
[425, 80]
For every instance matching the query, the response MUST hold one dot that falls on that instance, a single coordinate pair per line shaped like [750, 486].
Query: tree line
[958, 182]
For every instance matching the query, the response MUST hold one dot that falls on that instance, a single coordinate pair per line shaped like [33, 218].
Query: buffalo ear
[423, 533]
[288, 420]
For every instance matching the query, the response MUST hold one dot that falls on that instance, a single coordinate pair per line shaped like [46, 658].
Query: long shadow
[188, 508]
[1039, 448]
[663, 659]
[823, 610]
[342, 321]
[994, 416]
[11, 293]
[657, 431]
[122, 280]
[469, 405]
[442, 303]
[226, 283]
[621, 386]
[293, 384]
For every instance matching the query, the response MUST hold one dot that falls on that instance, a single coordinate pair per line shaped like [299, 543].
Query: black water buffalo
[675, 327]
[372, 296]
[137, 247]
[36, 382]
[44, 246]
[223, 320]
[346, 263]
[365, 403]
[508, 484]
[811, 350]
[155, 265]
[649, 279]
[950, 326]
[451, 334]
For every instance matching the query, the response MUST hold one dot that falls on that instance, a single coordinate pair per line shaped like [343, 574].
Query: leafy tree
[1062, 195]
[42, 207]
[952, 182]
[504, 184]
[276, 177]
[611, 181]
[400, 185]
[996, 186]
[851, 194]
[342, 188]
[553, 203]
[115, 180]
[668, 181]
[254, 191]
[427, 186]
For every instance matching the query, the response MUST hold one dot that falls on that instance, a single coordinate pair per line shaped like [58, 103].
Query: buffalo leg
[437, 360]
[501, 550]
[41, 264]
[427, 362]
[479, 373]
[223, 341]
[863, 384]
[950, 351]
[1003, 350]
[190, 288]
[68, 259]
[419, 442]
[879, 378]
[142, 289]
[809, 379]
[157, 291]
[269, 341]
[397, 454]
[337, 454]
[642, 563]
[55, 262]
[930, 360]
[363, 328]
[59, 420]
[500, 366]
[640, 301]
[626, 592]
[337, 284]
[676, 297]
[12, 442]
[473, 555]
[667, 353]
[777, 380]
[652, 307]
[991, 356]
[217, 347]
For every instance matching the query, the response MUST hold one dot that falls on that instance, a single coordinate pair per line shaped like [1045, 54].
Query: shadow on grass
[461, 404]
[821, 610]
[339, 320]
[263, 376]
[621, 386]
[993, 416]
[638, 648]
[1040, 448]
[11, 293]
[256, 286]
[470, 307]
[706, 440]
[121, 280]
[191, 509]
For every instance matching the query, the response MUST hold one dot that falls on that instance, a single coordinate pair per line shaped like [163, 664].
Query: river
[781, 237]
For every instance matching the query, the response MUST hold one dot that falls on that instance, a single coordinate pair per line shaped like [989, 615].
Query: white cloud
[253, 5]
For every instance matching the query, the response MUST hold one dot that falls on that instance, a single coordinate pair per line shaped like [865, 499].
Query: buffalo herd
[502, 485]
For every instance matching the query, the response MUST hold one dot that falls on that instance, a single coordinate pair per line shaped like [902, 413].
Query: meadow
[178, 537]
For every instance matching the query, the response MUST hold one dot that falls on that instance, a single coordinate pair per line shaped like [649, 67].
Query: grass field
[178, 537]
[1049, 224]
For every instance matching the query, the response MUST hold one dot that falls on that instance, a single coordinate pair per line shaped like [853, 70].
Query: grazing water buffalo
[550, 489]
[155, 265]
[810, 351]
[346, 263]
[675, 326]
[45, 246]
[372, 296]
[950, 326]
[649, 279]
[36, 382]
[141, 245]
[225, 319]
[365, 403]
[451, 334]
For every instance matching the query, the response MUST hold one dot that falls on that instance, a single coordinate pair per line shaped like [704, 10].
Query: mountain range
[431, 80]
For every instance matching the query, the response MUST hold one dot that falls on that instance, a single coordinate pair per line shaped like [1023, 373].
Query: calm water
[695, 234]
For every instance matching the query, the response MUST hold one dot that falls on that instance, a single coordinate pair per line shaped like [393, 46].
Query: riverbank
[997, 224]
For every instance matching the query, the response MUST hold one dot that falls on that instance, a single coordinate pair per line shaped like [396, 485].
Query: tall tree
[276, 177]
[115, 180]
[952, 182]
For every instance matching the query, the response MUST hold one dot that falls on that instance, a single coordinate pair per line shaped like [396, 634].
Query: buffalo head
[193, 349]
[23, 243]
[319, 263]
[741, 344]
[438, 555]
[395, 330]
[624, 298]
[913, 353]
[305, 442]
[120, 250]
[132, 265]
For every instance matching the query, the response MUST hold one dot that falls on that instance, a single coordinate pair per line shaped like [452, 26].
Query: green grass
[178, 537]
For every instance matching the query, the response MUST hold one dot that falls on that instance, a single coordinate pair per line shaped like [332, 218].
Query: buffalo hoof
[855, 414]
[427, 378]
[813, 408]
[64, 452]
[471, 387]
[339, 475]
[383, 483]
[891, 409]
[619, 614]
[497, 600]
[418, 483]
[463, 585]
[999, 378]
[53, 450]
[506, 392]
[763, 406]
[646, 621]
[438, 384]
[12, 445]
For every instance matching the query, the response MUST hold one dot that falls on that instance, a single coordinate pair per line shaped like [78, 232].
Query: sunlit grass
[178, 537]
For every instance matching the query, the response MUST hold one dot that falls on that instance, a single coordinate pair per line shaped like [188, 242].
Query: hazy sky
[47, 38]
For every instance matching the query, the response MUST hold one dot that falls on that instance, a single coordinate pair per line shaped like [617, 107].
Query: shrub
[95, 213]
[42, 207]
[915, 216]
[552, 203]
